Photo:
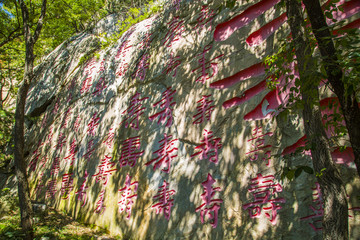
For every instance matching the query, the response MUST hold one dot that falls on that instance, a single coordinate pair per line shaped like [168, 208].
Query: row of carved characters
[263, 188]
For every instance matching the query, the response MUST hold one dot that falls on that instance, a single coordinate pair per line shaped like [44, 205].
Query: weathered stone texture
[88, 112]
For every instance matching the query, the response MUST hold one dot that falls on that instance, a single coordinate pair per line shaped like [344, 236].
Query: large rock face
[171, 132]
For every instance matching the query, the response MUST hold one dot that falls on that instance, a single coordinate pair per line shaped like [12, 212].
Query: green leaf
[290, 174]
[298, 171]
[308, 169]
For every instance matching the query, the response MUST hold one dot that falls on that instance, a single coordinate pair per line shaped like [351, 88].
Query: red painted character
[72, 151]
[176, 28]
[206, 65]
[51, 189]
[172, 64]
[204, 109]
[142, 67]
[210, 207]
[128, 196]
[166, 103]
[82, 191]
[129, 153]
[318, 209]
[100, 86]
[77, 124]
[133, 113]
[60, 142]
[165, 153]
[109, 141]
[100, 207]
[54, 171]
[206, 17]
[258, 146]
[66, 118]
[263, 189]
[89, 150]
[209, 148]
[66, 185]
[93, 124]
[105, 169]
[164, 203]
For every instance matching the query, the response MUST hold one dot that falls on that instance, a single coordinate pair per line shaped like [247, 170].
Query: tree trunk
[20, 164]
[335, 219]
[348, 102]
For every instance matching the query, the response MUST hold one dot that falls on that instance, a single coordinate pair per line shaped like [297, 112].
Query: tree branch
[10, 37]
[40, 21]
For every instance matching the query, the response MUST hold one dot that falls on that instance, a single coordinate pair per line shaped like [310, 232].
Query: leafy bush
[6, 123]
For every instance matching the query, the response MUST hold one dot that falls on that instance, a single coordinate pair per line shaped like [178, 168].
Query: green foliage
[52, 226]
[8, 201]
[134, 16]
[293, 173]
[348, 46]
[319, 174]
[6, 123]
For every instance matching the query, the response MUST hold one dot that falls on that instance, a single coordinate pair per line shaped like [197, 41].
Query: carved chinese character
[51, 189]
[100, 86]
[123, 49]
[43, 161]
[129, 153]
[128, 196]
[258, 146]
[105, 169]
[60, 142]
[109, 141]
[146, 39]
[176, 29]
[318, 210]
[141, 68]
[56, 106]
[66, 118]
[207, 68]
[90, 66]
[164, 203]
[82, 191]
[165, 153]
[66, 185]
[166, 103]
[122, 69]
[204, 109]
[72, 151]
[70, 89]
[176, 4]
[77, 124]
[210, 207]
[55, 166]
[35, 157]
[44, 121]
[88, 72]
[263, 190]
[100, 207]
[172, 64]
[93, 124]
[49, 136]
[123, 66]
[206, 16]
[102, 66]
[86, 85]
[209, 147]
[89, 150]
[40, 183]
[134, 111]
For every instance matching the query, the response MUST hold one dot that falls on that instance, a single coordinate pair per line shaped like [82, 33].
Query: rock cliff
[171, 133]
